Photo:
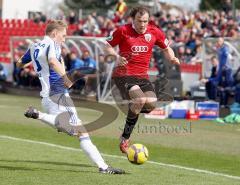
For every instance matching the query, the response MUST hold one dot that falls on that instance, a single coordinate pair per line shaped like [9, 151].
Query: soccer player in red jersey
[136, 42]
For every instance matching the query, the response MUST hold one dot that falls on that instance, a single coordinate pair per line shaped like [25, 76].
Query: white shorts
[61, 103]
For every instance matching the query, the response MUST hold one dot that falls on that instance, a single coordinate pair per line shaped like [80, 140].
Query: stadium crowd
[184, 29]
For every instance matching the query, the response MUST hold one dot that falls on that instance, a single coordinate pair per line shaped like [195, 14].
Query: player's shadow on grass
[15, 168]
[47, 163]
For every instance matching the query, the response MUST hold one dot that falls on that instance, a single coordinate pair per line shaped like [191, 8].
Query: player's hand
[67, 82]
[204, 80]
[175, 61]
[121, 61]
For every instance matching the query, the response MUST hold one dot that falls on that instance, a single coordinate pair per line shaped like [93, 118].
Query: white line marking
[121, 157]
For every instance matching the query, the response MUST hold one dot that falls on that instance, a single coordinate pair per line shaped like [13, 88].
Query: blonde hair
[55, 25]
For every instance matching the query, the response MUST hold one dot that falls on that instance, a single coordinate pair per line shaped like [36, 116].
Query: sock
[92, 152]
[47, 118]
[129, 125]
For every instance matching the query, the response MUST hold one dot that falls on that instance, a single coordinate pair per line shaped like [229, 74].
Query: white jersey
[39, 53]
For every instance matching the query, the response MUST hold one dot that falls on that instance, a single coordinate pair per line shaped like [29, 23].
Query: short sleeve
[115, 37]
[161, 39]
[26, 58]
[51, 51]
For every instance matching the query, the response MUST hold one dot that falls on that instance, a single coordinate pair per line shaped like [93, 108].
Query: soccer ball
[137, 154]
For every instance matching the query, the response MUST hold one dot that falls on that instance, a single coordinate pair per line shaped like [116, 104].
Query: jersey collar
[47, 37]
[50, 39]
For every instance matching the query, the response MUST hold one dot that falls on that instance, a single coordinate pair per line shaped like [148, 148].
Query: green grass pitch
[32, 153]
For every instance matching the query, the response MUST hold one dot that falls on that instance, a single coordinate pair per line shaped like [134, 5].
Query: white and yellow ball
[137, 154]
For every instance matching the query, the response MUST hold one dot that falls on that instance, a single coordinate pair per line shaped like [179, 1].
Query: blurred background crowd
[186, 30]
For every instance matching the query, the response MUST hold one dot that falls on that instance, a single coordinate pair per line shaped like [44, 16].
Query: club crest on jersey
[110, 37]
[148, 37]
[166, 42]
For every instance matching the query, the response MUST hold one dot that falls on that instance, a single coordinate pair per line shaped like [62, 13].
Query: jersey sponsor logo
[139, 49]
[148, 37]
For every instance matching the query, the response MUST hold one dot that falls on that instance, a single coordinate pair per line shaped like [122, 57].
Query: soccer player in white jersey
[61, 113]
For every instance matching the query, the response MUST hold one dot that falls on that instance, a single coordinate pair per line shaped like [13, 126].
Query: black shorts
[125, 83]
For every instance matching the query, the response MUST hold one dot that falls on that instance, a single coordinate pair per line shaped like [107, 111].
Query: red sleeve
[161, 39]
[115, 37]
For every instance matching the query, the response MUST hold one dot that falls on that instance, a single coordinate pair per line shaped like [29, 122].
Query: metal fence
[78, 45]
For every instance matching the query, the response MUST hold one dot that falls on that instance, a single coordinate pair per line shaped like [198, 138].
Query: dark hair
[213, 57]
[139, 9]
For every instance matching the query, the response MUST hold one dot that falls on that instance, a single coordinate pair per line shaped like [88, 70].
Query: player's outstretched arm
[170, 56]
[25, 60]
[20, 64]
[110, 52]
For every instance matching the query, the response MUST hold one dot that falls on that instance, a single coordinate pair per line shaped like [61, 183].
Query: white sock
[47, 118]
[92, 152]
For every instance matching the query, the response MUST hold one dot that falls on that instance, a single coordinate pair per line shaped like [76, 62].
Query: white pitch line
[121, 157]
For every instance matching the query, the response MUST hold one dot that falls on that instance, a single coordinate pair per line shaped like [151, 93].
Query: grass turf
[208, 146]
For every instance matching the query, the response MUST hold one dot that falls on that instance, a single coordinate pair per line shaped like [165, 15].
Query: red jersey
[136, 48]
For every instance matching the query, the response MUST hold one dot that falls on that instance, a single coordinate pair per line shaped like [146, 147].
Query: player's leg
[70, 118]
[151, 100]
[63, 116]
[50, 107]
[143, 101]
[150, 95]
[137, 101]
[79, 130]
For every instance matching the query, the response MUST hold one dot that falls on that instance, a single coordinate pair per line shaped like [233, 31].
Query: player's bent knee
[70, 128]
[140, 101]
[151, 105]
[135, 88]
[80, 135]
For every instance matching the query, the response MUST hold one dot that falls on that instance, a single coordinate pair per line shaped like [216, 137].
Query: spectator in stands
[89, 62]
[224, 75]
[90, 27]
[120, 10]
[223, 79]
[103, 69]
[90, 71]
[36, 17]
[72, 18]
[79, 31]
[66, 58]
[188, 55]
[3, 73]
[211, 87]
[197, 58]
[223, 55]
[226, 5]
[28, 77]
[24, 76]
[191, 44]
[16, 71]
[109, 26]
[76, 63]
[178, 27]
[181, 53]
[224, 86]
[236, 78]
[43, 17]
